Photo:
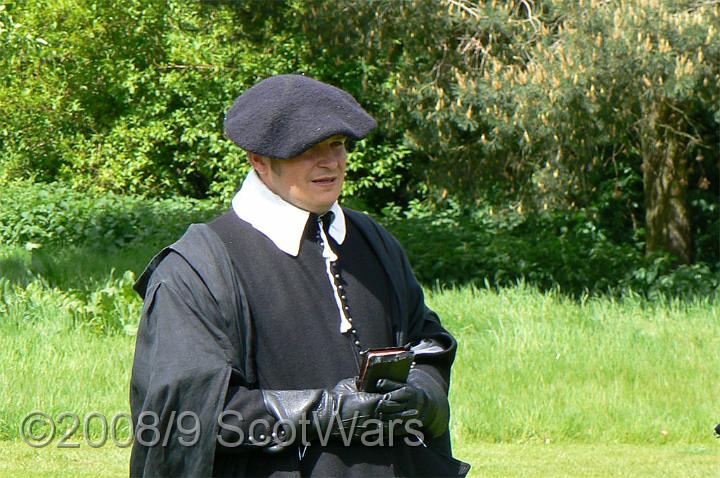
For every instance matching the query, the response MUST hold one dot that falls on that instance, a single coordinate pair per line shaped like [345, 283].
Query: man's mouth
[324, 180]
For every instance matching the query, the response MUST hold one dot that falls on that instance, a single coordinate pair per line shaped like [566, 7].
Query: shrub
[111, 307]
[567, 251]
[37, 214]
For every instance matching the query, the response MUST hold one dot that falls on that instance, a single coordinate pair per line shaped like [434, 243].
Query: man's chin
[319, 208]
[323, 205]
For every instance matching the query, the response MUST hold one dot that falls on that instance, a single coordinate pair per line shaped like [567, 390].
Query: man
[254, 324]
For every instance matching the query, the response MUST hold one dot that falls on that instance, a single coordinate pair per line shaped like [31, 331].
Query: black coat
[202, 333]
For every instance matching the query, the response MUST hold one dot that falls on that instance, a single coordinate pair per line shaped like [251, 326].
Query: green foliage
[125, 101]
[376, 174]
[570, 252]
[548, 104]
[451, 245]
[657, 277]
[553, 107]
[134, 102]
[111, 308]
[38, 215]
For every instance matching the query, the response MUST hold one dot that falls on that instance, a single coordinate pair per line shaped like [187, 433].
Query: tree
[632, 86]
[134, 102]
[545, 103]
[608, 106]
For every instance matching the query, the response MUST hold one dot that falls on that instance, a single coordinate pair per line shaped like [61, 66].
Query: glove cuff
[300, 413]
[436, 413]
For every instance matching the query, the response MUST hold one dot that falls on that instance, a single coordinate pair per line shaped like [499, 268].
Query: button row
[343, 300]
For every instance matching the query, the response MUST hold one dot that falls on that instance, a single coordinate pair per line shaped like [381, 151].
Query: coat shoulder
[199, 249]
[371, 227]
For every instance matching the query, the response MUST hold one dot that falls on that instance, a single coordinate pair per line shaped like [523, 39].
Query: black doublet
[298, 339]
[197, 343]
[295, 317]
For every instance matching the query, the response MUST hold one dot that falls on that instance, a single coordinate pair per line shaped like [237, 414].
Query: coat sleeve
[192, 337]
[418, 324]
[435, 353]
[434, 346]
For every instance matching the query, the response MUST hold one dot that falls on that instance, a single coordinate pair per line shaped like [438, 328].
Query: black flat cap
[284, 115]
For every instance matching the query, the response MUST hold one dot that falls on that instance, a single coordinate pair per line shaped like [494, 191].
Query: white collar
[276, 218]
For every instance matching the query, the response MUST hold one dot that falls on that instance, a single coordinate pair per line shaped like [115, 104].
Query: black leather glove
[423, 397]
[322, 412]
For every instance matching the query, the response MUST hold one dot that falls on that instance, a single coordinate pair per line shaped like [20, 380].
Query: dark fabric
[326, 220]
[196, 333]
[294, 314]
[297, 325]
[369, 291]
[192, 336]
[413, 321]
[284, 115]
[249, 403]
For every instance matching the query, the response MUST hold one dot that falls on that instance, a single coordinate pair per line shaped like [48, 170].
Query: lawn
[488, 460]
[542, 385]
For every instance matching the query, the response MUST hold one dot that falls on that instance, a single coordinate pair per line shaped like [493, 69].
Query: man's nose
[330, 157]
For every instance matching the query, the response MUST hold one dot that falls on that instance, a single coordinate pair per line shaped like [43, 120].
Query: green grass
[539, 367]
[72, 267]
[583, 460]
[56, 369]
[489, 460]
[542, 385]
[19, 460]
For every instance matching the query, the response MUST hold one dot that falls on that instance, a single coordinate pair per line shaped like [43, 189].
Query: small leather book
[392, 363]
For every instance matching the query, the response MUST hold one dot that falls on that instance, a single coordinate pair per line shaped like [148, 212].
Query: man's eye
[336, 144]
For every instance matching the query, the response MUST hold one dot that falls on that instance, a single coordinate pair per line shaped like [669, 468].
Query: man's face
[311, 181]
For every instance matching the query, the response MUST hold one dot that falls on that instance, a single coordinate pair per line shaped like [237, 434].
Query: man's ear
[260, 164]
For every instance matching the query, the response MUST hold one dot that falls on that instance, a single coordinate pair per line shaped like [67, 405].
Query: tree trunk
[665, 181]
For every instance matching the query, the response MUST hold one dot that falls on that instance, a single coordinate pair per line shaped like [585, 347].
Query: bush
[111, 307]
[450, 245]
[657, 277]
[37, 214]
[566, 251]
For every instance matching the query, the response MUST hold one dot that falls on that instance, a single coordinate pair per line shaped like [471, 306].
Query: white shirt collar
[276, 218]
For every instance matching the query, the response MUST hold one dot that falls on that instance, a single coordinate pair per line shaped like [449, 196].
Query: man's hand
[423, 397]
[352, 406]
[323, 412]
[402, 400]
